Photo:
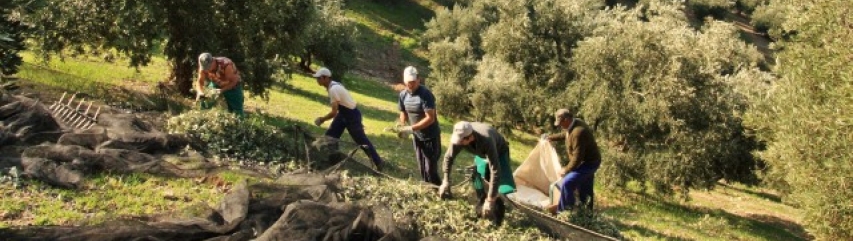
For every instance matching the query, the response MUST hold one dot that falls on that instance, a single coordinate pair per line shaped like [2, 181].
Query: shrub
[329, 38]
[805, 121]
[748, 6]
[11, 40]
[768, 18]
[225, 135]
[664, 102]
[714, 8]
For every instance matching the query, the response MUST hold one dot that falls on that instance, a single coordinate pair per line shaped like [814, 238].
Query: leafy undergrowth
[225, 135]
[452, 219]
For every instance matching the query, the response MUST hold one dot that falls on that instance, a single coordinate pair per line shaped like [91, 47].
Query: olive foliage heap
[225, 135]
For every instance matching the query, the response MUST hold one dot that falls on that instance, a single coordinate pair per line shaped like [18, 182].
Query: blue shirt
[415, 105]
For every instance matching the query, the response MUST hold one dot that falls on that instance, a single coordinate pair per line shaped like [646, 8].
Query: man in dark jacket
[584, 160]
[491, 160]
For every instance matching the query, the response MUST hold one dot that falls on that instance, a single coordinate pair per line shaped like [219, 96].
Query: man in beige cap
[584, 160]
[491, 160]
[221, 76]
[417, 110]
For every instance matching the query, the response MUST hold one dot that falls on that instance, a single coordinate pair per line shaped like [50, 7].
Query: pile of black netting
[295, 207]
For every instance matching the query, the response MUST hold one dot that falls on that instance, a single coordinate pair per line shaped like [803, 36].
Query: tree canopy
[660, 93]
[804, 119]
[260, 36]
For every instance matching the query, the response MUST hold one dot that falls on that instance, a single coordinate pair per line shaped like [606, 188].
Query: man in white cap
[417, 111]
[584, 160]
[492, 169]
[221, 75]
[345, 115]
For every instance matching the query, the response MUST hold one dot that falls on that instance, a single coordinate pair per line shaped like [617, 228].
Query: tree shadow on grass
[646, 232]
[768, 196]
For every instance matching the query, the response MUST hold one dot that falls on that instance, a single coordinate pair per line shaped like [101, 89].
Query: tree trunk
[183, 77]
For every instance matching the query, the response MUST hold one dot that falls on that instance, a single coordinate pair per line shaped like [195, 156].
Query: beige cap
[461, 130]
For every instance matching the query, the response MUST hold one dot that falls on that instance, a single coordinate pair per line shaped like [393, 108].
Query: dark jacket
[489, 144]
[580, 145]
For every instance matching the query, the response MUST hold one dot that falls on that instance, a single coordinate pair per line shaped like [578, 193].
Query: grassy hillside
[731, 212]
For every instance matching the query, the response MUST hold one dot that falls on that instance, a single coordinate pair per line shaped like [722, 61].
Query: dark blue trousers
[428, 152]
[582, 180]
[350, 120]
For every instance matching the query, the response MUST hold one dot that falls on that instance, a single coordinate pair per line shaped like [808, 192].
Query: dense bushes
[805, 117]
[769, 18]
[225, 135]
[329, 38]
[661, 93]
[11, 39]
[714, 8]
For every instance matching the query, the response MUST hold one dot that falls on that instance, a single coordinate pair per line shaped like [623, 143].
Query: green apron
[506, 185]
[233, 98]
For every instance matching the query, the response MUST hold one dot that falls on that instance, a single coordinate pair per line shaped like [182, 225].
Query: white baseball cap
[461, 130]
[323, 72]
[410, 74]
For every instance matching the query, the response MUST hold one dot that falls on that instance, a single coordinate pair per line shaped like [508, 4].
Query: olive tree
[663, 96]
[329, 39]
[527, 43]
[252, 33]
[805, 117]
[11, 39]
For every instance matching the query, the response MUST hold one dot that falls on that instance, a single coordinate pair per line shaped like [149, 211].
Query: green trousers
[233, 98]
[506, 184]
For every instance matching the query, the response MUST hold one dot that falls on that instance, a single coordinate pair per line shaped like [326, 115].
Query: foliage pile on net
[454, 219]
[251, 139]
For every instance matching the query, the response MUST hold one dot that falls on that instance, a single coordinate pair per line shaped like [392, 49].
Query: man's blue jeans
[582, 180]
[350, 119]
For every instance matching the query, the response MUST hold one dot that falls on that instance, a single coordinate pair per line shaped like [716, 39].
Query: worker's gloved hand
[404, 131]
[487, 207]
[407, 130]
[319, 121]
[444, 190]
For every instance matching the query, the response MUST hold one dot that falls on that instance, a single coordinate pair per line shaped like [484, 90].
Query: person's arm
[199, 87]
[426, 121]
[449, 157]
[332, 113]
[229, 78]
[403, 116]
[557, 137]
[494, 167]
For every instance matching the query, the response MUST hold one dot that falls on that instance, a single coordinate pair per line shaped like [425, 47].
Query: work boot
[379, 166]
